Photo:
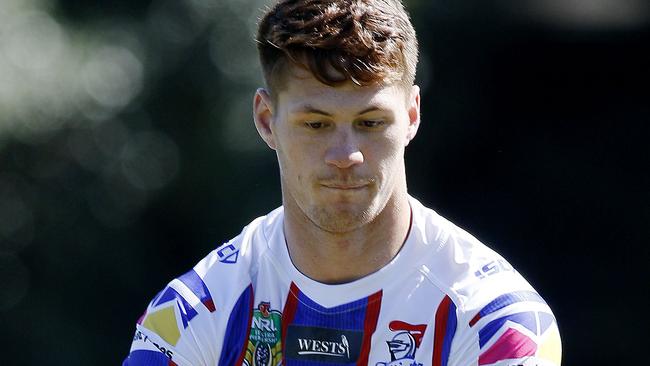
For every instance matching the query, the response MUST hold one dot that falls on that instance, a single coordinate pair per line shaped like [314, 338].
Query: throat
[336, 258]
[342, 263]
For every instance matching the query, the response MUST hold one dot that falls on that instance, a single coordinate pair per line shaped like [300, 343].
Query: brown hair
[365, 41]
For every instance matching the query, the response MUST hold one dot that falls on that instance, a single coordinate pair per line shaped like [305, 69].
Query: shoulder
[212, 301]
[497, 313]
[229, 269]
[238, 259]
[458, 263]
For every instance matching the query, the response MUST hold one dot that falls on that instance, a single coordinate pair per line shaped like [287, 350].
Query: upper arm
[513, 328]
[185, 325]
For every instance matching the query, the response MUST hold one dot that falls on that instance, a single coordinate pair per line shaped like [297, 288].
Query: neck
[343, 257]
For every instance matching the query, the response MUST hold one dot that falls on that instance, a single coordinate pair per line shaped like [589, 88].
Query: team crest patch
[264, 343]
[404, 344]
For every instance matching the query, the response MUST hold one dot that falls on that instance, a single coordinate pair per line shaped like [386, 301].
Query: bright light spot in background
[52, 75]
[49, 74]
[32, 44]
[586, 13]
[112, 76]
[33, 41]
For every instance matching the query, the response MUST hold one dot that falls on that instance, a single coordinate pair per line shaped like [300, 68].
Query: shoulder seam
[434, 280]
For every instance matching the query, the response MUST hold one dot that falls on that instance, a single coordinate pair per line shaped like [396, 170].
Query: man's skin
[341, 156]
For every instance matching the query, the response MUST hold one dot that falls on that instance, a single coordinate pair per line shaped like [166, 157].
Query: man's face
[340, 149]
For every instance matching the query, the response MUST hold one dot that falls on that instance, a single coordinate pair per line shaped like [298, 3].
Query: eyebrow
[311, 109]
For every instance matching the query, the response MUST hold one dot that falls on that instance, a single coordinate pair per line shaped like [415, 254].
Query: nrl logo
[265, 322]
[264, 342]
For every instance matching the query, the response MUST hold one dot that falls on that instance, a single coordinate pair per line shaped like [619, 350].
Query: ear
[413, 113]
[263, 116]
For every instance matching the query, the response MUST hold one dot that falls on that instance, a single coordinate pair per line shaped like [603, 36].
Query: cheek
[386, 150]
[294, 162]
[387, 155]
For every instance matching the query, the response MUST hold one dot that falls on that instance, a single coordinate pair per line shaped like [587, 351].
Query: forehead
[301, 89]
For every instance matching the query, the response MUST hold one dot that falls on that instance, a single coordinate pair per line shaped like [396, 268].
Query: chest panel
[391, 326]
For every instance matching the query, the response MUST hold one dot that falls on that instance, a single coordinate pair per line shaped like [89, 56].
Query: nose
[344, 152]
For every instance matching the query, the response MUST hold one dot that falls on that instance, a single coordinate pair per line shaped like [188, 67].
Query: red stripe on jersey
[475, 319]
[210, 305]
[288, 313]
[442, 314]
[240, 360]
[416, 330]
[369, 326]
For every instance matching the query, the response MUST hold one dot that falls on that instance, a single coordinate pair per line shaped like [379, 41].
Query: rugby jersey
[444, 300]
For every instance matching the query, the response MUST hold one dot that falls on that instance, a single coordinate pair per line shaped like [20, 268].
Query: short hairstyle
[365, 41]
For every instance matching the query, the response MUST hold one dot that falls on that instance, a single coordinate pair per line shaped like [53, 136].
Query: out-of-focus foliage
[127, 152]
[84, 89]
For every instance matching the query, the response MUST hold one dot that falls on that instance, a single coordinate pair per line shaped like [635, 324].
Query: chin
[341, 218]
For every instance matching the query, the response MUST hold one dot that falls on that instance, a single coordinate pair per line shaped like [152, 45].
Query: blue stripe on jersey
[155, 299]
[147, 358]
[237, 330]
[192, 280]
[506, 300]
[350, 316]
[187, 311]
[527, 319]
[545, 321]
[450, 331]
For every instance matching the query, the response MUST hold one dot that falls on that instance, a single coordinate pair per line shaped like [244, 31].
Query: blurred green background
[127, 153]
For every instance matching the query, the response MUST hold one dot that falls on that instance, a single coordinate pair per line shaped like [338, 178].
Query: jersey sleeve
[199, 318]
[491, 316]
[513, 327]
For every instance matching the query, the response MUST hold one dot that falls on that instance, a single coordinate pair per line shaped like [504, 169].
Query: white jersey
[444, 300]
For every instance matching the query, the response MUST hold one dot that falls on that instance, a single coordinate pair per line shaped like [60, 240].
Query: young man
[350, 270]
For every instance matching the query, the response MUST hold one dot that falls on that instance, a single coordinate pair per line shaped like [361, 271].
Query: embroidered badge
[264, 342]
[404, 344]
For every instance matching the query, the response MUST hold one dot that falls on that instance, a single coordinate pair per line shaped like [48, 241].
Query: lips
[345, 186]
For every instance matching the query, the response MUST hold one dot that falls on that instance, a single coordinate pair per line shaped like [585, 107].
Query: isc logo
[493, 267]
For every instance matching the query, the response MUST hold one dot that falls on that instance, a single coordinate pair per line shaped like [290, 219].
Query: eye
[314, 125]
[371, 123]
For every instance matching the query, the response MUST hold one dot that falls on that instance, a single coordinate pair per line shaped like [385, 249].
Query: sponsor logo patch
[493, 267]
[264, 343]
[141, 337]
[334, 346]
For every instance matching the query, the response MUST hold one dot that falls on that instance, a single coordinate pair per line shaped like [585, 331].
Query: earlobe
[413, 113]
[263, 116]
